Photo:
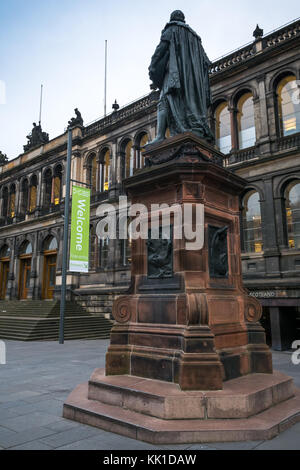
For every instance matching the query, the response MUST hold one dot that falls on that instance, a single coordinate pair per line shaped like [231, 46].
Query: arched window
[50, 244]
[105, 170]
[126, 246]
[57, 185]
[252, 232]
[5, 252]
[288, 106]
[5, 201]
[292, 204]
[12, 201]
[223, 128]
[245, 121]
[33, 193]
[47, 187]
[24, 198]
[25, 249]
[92, 172]
[103, 251]
[129, 159]
[141, 142]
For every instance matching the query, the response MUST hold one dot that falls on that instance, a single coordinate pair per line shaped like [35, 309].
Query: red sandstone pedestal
[187, 360]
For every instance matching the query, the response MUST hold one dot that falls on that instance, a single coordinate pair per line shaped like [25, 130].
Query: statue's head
[177, 15]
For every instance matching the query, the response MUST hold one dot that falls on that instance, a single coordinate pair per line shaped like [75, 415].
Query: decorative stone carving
[218, 252]
[258, 32]
[187, 152]
[198, 310]
[160, 257]
[122, 309]
[253, 311]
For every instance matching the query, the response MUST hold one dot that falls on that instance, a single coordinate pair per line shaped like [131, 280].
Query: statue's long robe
[180, 69]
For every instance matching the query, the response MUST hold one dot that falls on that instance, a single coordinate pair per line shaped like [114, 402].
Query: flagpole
[41, 102]
[105, 78]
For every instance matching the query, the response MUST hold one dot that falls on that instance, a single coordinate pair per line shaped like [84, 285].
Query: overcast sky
[60, 43]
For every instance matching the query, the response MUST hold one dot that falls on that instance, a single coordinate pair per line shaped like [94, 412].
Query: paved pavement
[38, 378]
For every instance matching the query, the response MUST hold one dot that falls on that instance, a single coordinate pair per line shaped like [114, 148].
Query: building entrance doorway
[25, 255]
[49, 275]
[49, 270]
[4, 270]
[24, 283]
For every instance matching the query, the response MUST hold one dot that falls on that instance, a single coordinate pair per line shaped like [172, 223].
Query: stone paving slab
[71, 435]
[9, 440]
[27, 421]
[46, 372]
[289, 440]
[36, 445]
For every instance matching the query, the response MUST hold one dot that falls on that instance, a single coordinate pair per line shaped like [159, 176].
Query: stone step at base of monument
[240, 398]
[281, 400]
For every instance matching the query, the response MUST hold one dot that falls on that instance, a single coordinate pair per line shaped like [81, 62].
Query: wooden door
[49, 277]
[4, 270]
[24, 280]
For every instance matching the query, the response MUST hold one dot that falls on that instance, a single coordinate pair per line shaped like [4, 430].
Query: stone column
[117, 164]
[17, 199]
[272, 115]
[234, 132]
[1, 204]
[257, 118]
[12, 271]
[281, 222]
[271, 252]
[34, 277]
[275, 315]
[263, 138]
[40, 191]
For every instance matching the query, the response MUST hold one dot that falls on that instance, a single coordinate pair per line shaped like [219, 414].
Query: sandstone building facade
[255, 116]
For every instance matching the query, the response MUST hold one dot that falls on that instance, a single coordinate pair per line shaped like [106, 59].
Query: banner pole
[65, 242]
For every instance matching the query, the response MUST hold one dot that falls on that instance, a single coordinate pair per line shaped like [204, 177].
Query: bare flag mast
[41, 104]
[105, 78]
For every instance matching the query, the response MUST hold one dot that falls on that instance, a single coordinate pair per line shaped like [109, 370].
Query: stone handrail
[286, 143]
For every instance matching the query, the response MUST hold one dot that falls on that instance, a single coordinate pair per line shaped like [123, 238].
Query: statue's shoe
[157, 140]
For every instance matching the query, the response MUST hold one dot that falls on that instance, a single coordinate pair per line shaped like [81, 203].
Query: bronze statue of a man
[180, 69]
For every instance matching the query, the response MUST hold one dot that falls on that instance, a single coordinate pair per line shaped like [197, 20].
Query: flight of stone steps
[34, 320]
[100, 304]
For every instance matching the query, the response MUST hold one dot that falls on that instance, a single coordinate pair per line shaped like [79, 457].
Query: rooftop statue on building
[36, 138]
[3, 158]
[180, 69]
[77, 121]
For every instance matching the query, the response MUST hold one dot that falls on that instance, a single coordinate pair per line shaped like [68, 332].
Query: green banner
[80, 230]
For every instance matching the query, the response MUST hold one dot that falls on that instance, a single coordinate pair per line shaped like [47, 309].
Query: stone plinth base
[257, 406]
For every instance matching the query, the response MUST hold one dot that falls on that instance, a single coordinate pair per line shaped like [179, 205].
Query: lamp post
[65, 242]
